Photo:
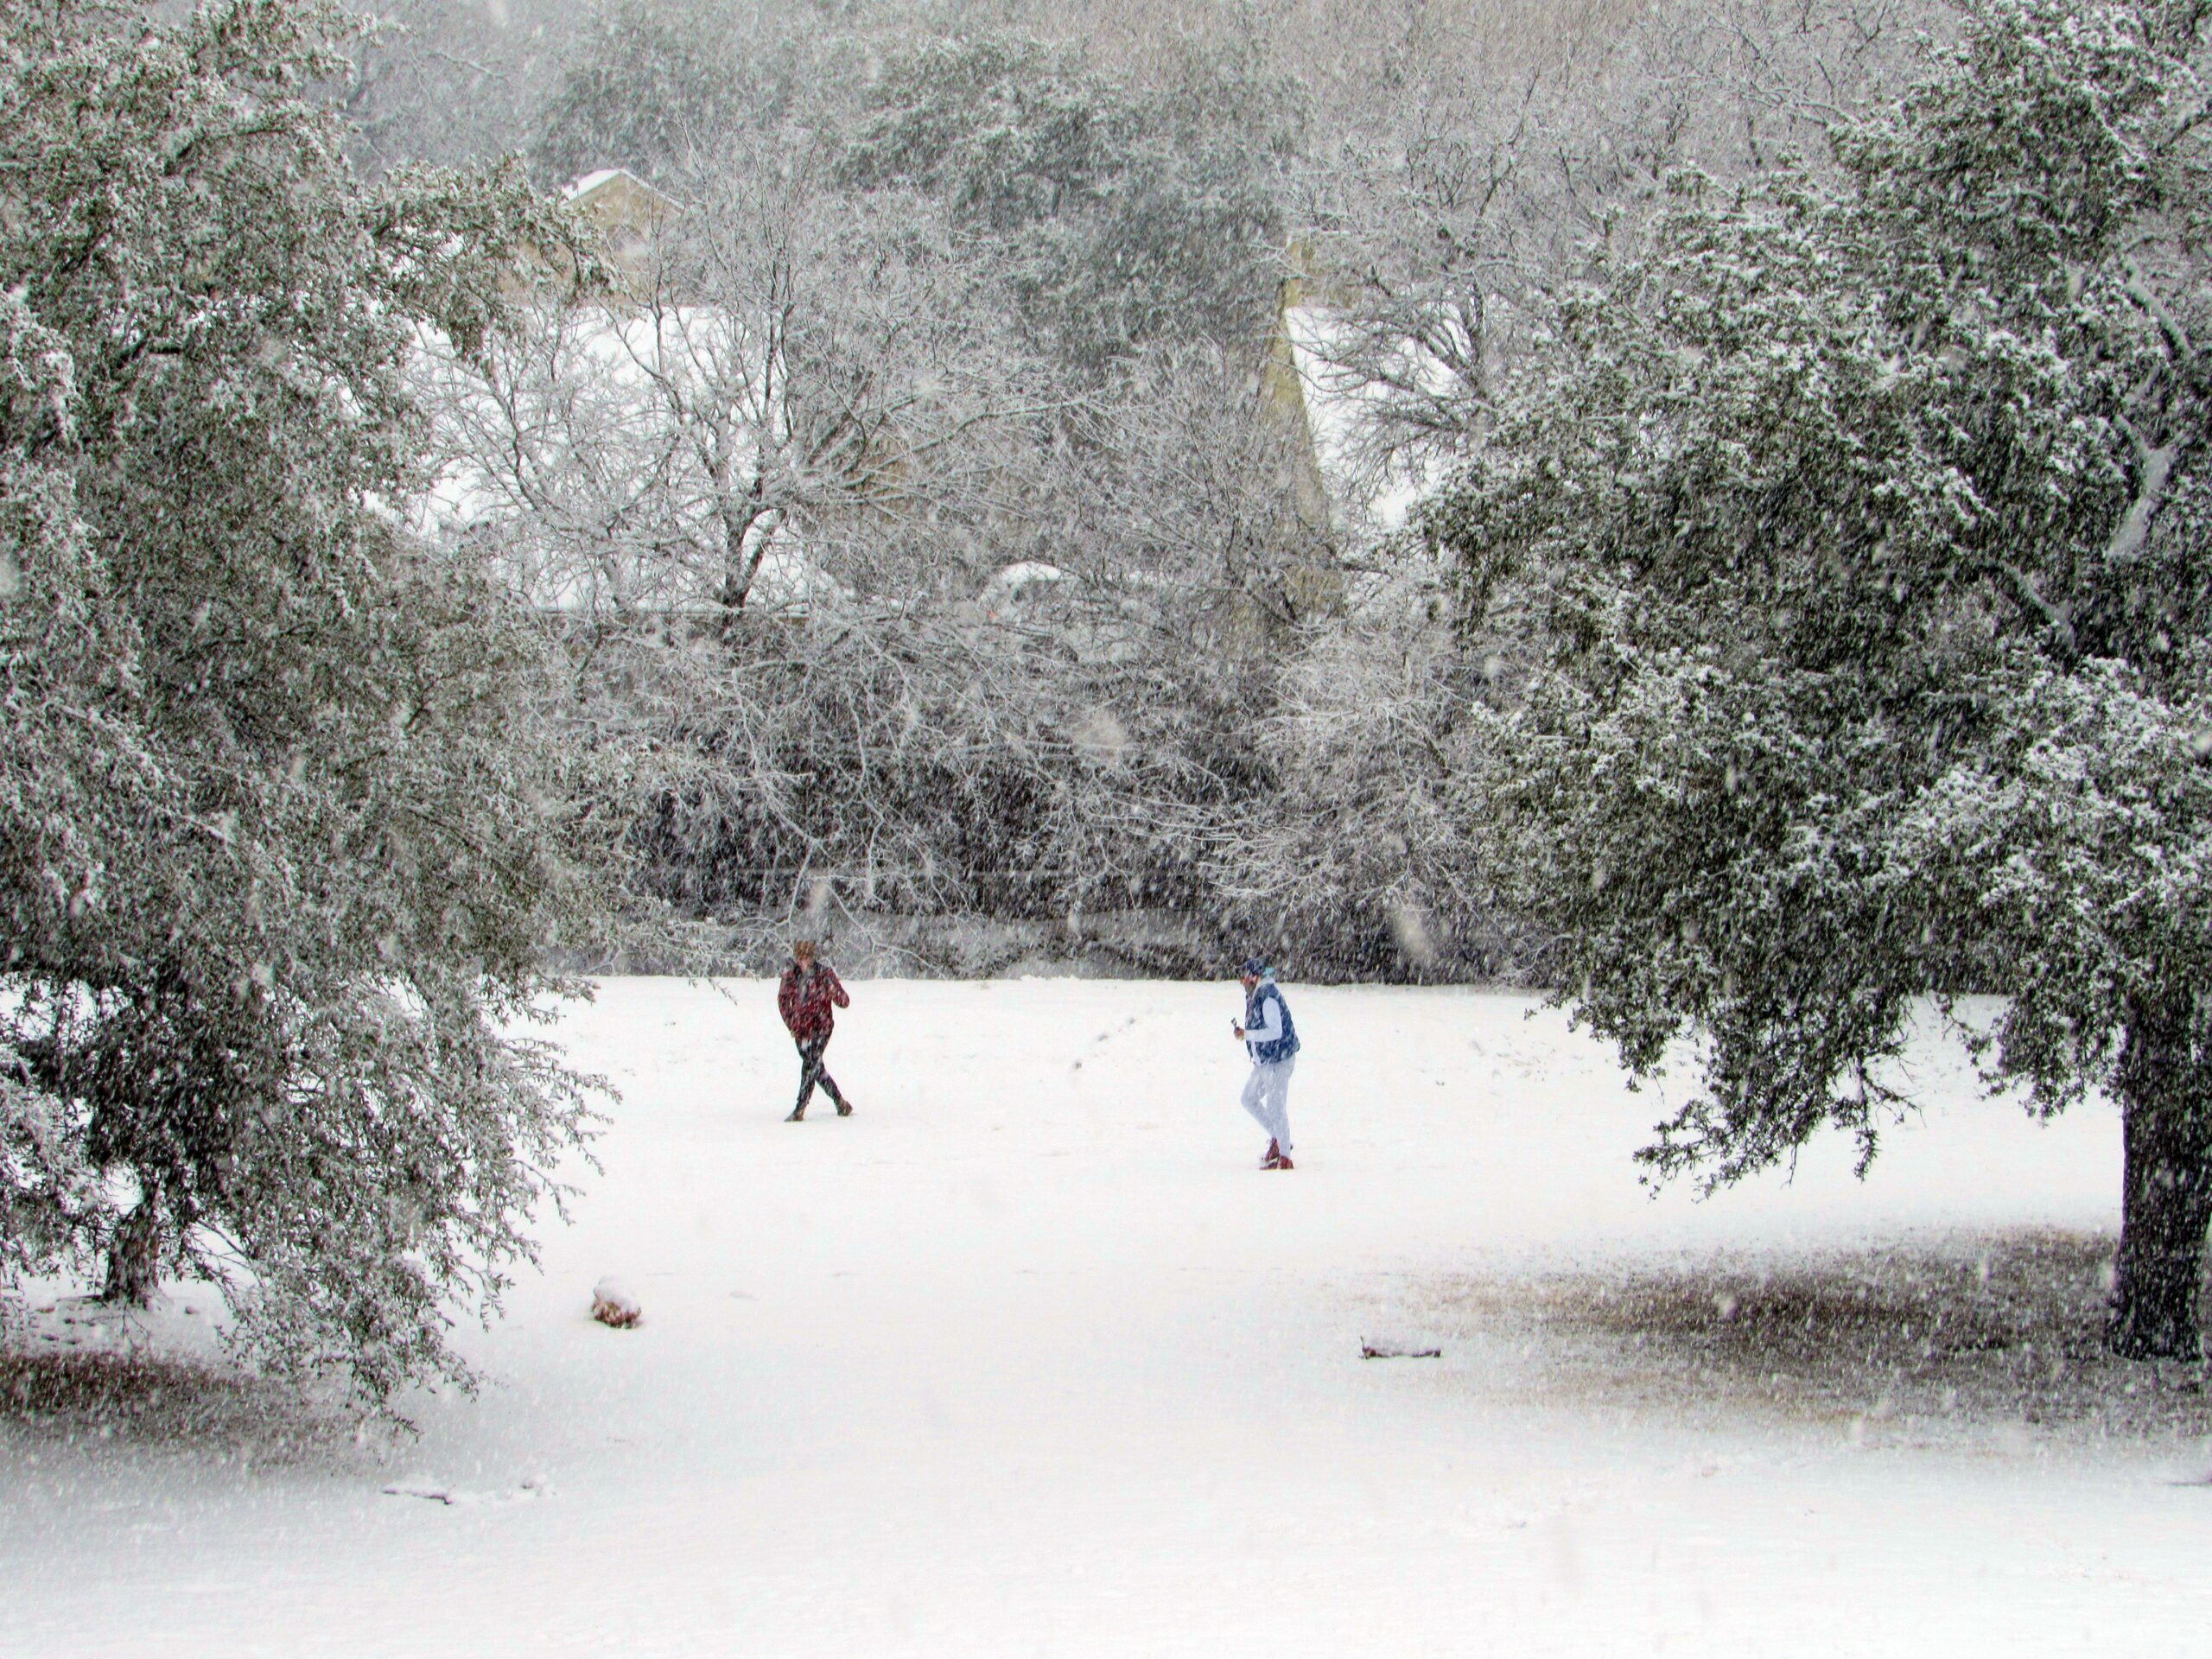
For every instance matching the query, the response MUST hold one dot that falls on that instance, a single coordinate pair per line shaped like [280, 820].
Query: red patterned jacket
[804, 1000]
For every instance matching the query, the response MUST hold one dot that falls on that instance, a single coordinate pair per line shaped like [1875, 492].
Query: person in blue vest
[1272, 1041]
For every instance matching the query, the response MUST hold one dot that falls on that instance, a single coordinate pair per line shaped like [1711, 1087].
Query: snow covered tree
[452, 82]
[903, 611]
[659, 86]
[796, 386]
[1442, 215]
[1867, 515]
[278, 858]
[1123, 214]
[1358, 856]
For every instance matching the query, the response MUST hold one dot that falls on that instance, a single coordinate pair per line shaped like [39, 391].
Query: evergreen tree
[659, 86]
[279, 856]
[1868, 510]
[1126, 214]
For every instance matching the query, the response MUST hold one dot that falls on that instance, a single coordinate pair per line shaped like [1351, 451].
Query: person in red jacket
[804, 997]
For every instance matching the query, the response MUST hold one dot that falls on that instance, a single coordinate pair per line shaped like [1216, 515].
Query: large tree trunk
[134, 1257]
[2166, 1127]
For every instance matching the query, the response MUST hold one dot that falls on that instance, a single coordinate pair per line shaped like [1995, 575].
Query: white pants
[1266, 1096]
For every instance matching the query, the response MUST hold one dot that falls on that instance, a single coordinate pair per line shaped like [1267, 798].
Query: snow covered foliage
[655, 84]
[902, 715]
[767, 491]
[433, 81]
[1124, 214]
[280, 854]
[1448, 203]
[46, 1187]
[1865, 512]
[1360, 858]
[790, 375]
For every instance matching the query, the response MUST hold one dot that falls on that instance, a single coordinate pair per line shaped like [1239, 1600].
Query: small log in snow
[613, 1306]
[1396, 1350]
[454, 1497]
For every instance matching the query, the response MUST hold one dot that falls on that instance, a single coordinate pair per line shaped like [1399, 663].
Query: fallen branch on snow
[1395, 1351]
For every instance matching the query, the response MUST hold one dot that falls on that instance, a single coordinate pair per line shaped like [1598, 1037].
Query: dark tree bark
[2166, 1127]
[134, 1257]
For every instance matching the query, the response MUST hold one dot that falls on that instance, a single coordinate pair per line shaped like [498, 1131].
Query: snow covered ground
[1026, 1358]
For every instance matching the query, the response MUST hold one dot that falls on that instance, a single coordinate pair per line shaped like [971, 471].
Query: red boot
[1273, 1159]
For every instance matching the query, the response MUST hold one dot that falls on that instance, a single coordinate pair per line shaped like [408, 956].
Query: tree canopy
[280, 855]
[1864, 508]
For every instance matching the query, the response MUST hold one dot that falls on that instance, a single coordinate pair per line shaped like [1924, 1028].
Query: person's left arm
[836, 987]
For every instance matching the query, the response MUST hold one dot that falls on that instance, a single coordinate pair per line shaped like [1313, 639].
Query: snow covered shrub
[901, 611]
[651, 84]
[279, 852]
[614, 1307]
[920, 764]
[1865, 514]
[1357, 864]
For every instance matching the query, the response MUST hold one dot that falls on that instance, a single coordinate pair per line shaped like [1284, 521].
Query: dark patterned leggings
[810, 1073]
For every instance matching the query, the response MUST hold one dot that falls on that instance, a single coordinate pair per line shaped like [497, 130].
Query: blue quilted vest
[1283, 1047]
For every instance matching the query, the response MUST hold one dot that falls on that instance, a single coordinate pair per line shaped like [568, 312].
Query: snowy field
[1027, 1357]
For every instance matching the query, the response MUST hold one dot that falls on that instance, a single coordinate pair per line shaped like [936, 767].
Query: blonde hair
[804, 948]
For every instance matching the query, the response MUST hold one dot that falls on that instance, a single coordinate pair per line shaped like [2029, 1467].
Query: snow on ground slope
[1026, 1358]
